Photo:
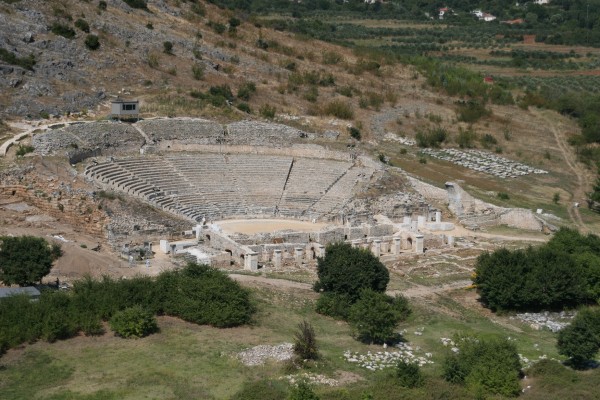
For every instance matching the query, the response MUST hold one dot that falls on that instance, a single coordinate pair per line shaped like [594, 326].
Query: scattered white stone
[258, 355]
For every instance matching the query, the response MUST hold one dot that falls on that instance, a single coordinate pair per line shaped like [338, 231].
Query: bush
[217, 27]
[409, 375]
[374, 317]
[246, 90]
[10, 58]
[133, 322]
[471, 111]
[346, 270]
[503, 196]
[339, 109]
[62, 30]
[198, 71]
[354, 133]
[305, 342]
[244, 107]
[24, 149]
[580, 341]
[168, 47]
[302, 391]
[485, 366]
[466, 138]
[267, 111]
[488, 141]
[141, 4]
[92, 42]
[102, 5]
[82, 25]
[432, 137]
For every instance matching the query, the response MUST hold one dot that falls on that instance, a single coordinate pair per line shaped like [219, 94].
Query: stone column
[198, 230]
[299, 255]
[320, 251]
[450, 240]
[414, 227]
[396, 248]
[438, 217]
[164, 246]
[251, 261]
[421, 222]
[419, 246]
[277, 258]
[377, 247]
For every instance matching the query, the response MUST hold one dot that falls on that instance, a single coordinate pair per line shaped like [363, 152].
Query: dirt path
[415, 291]
[578, 195]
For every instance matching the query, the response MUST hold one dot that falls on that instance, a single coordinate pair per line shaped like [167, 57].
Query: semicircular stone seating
[217, 186]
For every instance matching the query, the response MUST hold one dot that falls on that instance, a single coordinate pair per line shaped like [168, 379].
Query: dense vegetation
[10, 58]
[580, 341]
[25, 260]
[565, 272]
[197, 294]
[485, 366]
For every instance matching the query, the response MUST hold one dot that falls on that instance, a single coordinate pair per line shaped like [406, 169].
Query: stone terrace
[216, 186]
[199, 131]
[261, 133]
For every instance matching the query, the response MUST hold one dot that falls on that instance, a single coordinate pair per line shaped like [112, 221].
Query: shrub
[331, 57]
[466, 137]
[150, 26]
[10, 58]
[198, 71]
[374, 317]
[354, 133]
[133, 322]
[471, 111]
[244, 107]
[198, 9]
[305, 342]
[486, 366]
[246, 90]
[24, 149]
[168, 47]
[503, 196]
[432, 137]
[92, 42]
[346, 270]
[488, 141]
[217, 27]
[141, 4]
[82, 25]
[302, 391]
[102, 5]
[267, 111]
[580, 341]
[339, 109]
[62, 30]
[409, 375]
[153, 60]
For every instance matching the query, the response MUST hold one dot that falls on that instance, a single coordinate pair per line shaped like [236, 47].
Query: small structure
[125, 109]
[30, 291]
[488, 80]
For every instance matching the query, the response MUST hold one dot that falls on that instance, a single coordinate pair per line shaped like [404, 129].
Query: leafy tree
[346, 270]
[305, 342]
[580, 341]
[25, 260]
[83, 25]
[374, 317]
[486, 366]
[133, 322]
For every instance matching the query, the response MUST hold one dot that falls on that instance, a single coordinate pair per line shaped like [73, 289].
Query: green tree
[580, 341]
[409, 374]
[92, 42]
[346, 270]
[374, 317]
[25, 260]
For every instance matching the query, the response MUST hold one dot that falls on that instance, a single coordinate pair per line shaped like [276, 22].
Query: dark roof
[28, 290]
[125, 101]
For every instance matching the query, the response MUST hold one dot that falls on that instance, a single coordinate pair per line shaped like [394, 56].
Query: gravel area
[258, 355]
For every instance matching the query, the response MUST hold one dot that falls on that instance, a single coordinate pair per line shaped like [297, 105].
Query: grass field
[187, 361]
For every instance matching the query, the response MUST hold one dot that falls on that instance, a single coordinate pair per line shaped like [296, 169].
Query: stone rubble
[312, 379]
[485, 162]
[258, 355]
[388, 359]
[552, 321]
